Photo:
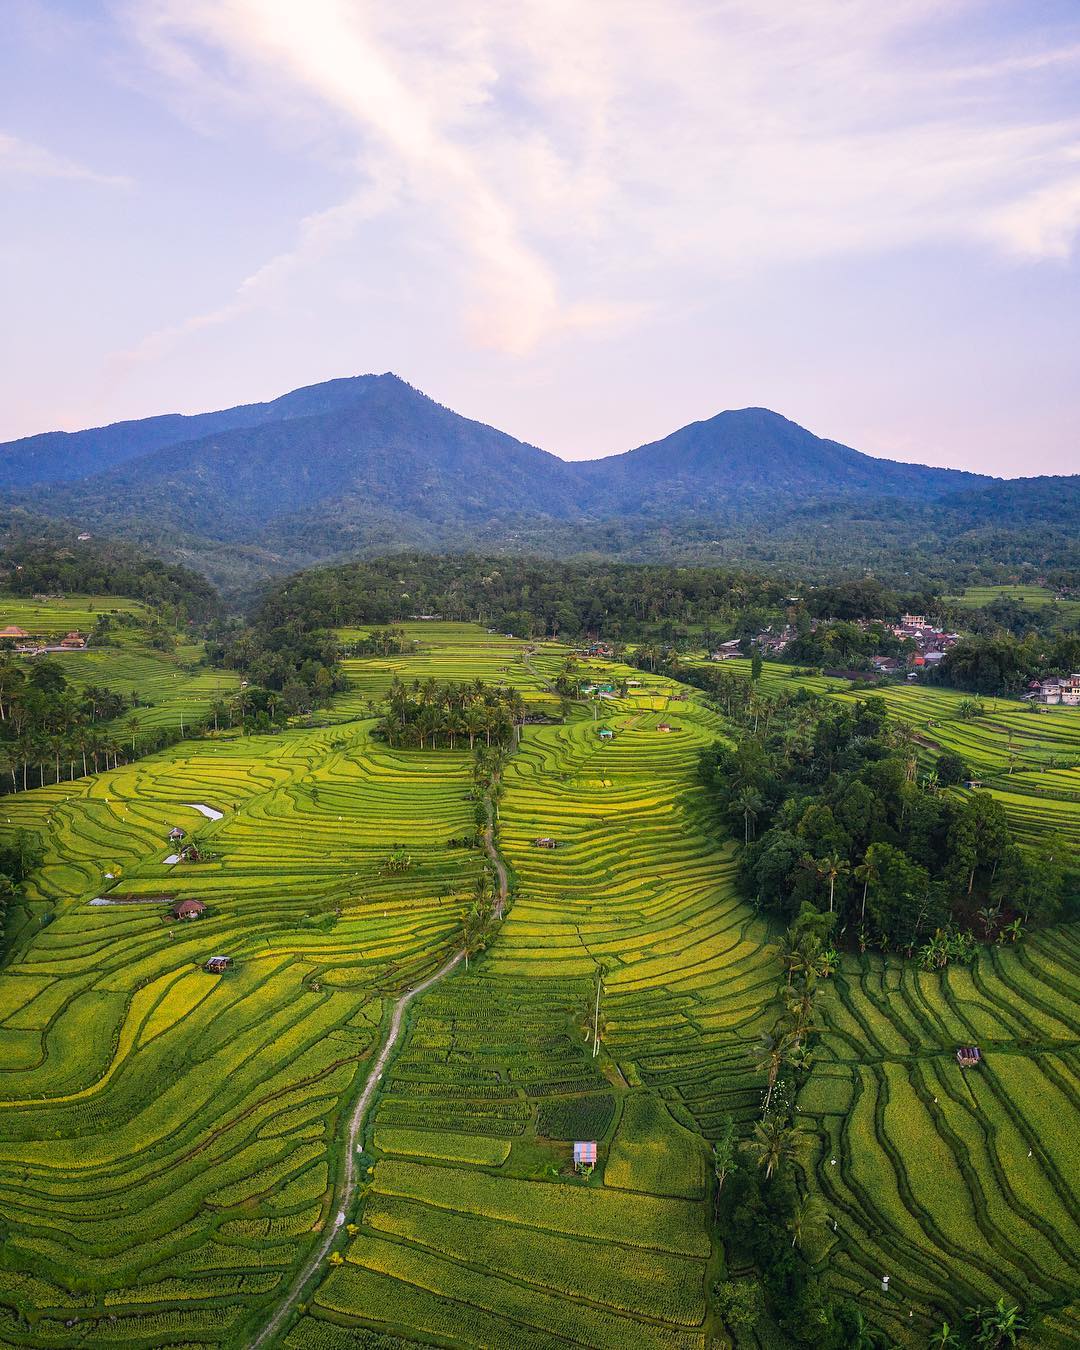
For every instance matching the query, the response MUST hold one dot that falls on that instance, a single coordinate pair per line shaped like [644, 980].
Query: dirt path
[488, 836]
[347, 1179]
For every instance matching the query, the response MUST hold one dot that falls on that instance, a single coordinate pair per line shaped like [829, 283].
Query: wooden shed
[545, 842]
[968, 1056]
[175, 834]
[217, 965]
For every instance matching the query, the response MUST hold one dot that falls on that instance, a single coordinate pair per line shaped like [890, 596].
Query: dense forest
[45, 557]
[534, 597]
[834, 812]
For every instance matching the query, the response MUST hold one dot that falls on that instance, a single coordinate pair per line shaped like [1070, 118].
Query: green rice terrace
[173, 1142]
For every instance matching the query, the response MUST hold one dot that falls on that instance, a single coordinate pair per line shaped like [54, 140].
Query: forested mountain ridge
[369, 465]
[64, 456]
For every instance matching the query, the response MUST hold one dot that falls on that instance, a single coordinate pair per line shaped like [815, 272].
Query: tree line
[833, 811]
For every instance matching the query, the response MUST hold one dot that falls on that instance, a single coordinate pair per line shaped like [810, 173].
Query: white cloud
[574, 161]
[25, 159]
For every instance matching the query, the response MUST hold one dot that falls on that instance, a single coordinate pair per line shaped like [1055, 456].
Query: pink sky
[586, 225]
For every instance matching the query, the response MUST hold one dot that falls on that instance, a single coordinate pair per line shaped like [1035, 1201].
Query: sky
[586, 224]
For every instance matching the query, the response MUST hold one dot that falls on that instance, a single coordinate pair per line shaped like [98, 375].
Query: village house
[72, 642]
[1055, 689]
[726, 651]
[13, 631]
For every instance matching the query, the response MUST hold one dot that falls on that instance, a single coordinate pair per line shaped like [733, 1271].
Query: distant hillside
[363, 466]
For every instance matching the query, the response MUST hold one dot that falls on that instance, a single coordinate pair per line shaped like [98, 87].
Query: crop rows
[167, 1136]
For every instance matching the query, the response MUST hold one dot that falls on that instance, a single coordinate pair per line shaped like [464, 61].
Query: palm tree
[809, 1213]
[773, 1145]
[833, 866]
[866, 872]
[748, 803]
[771, 1054]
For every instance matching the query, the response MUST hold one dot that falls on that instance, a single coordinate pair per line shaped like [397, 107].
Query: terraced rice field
[168, 691]
[1028, 757]
[961, 1185]
[167, 1136]
[169, 1139]
[60, 614]
[1034, 597]
[496, 1078]
[442, 651]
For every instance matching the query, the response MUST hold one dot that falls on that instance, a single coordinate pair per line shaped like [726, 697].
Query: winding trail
[347, 1178]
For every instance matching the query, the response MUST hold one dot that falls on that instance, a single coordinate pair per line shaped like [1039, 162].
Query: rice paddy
[53, 616]
[169, 1139]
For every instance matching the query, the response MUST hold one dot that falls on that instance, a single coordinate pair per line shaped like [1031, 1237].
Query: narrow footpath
[347, 1179]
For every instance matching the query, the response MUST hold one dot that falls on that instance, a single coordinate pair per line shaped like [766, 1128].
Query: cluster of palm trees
[50, 731]
[806, 961]
[431, 714]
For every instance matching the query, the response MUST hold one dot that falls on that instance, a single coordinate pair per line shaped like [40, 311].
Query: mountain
[755, 454]
[368, 465]
[64, 456]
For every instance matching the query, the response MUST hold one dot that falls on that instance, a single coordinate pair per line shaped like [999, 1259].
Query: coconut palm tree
[867, 872]
[773, 1051]
[748, 804]
[773, 1145]
[809, 1214]
[833, 865]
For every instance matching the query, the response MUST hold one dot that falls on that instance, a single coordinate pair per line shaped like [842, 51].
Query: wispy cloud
[22, 158]
[575, 161]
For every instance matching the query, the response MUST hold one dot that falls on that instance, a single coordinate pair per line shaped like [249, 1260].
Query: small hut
[189, 909]
[545, 842]
[218, 965]
[664, 726]
[175, 834]
[584, 1153]
[968, 1056]
[606, 734]
[190, 853]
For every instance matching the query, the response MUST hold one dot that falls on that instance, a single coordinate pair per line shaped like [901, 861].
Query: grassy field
[169, 1139]
[60, 614]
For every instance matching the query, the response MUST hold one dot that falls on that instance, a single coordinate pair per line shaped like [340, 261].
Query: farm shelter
[545, 842]
[968, 1056]
[606, 734]
[189, 909]
[584, 1152]
[217, 965]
